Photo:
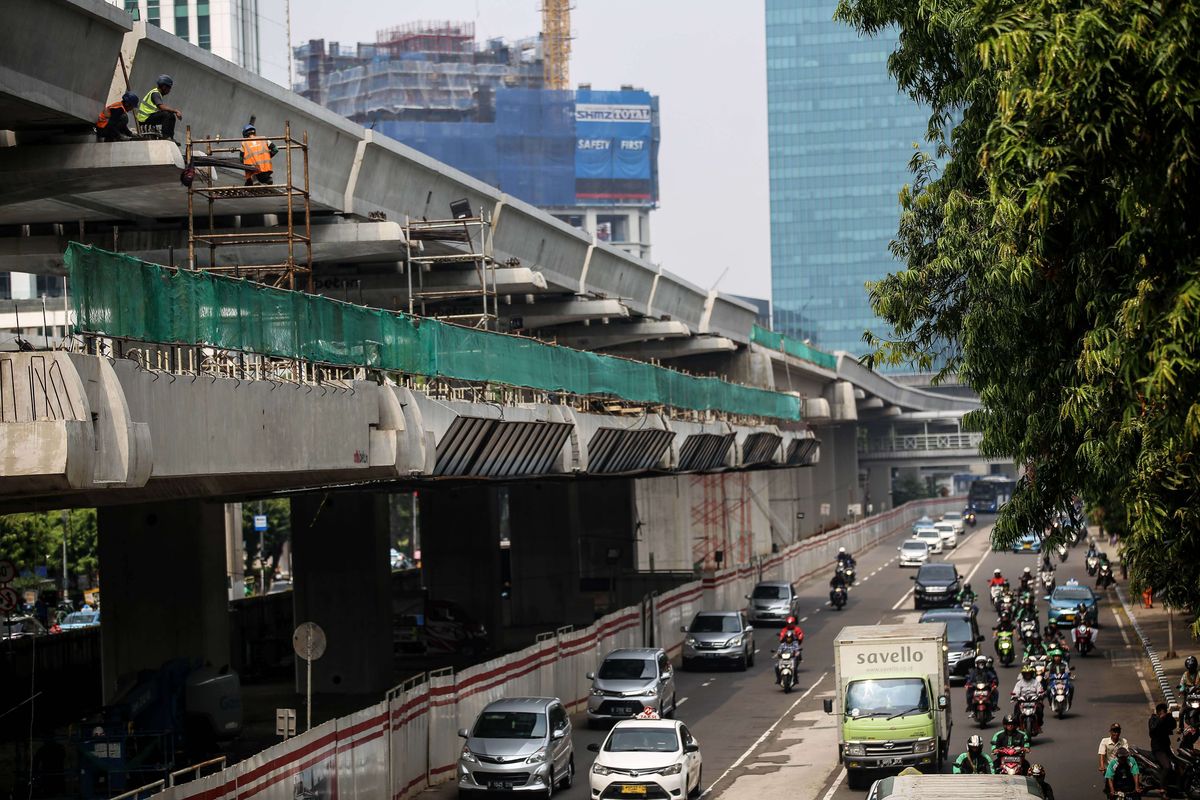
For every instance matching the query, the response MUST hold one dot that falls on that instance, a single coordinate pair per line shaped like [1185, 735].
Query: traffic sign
[8, 599]
[309, 641]
[260, 522]
[8, 571]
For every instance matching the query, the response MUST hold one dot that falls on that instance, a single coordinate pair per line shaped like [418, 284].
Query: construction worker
[113, 124]
[153, 110]
[256, 155]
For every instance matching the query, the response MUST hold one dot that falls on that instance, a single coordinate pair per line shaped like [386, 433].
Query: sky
[705, 60]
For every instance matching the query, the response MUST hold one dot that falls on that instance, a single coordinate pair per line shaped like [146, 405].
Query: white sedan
[931, 537]
[948, 533]
[913, 553]
[955, 518]
[647, 758]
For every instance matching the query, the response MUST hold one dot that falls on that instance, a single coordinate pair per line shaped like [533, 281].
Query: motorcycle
[1104, 576]
[1060, 694]
[1004, 647]
[1190, 704]
[787, 671]
[837, 597]
[1004, 605]
[994, 591]
[1027, 713]
[1062, 552]
[1027, 628]
[1083, 638]
[1093, 564]
[981, 704]
[848, 573]
[1047, 579]
[969, 518]
[1183, 779]
[1010, 761]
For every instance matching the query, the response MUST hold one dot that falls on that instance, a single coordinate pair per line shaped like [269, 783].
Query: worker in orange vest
[113, 124]
[256, 156]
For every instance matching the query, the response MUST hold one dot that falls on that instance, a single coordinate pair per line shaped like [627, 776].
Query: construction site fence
[408, 742]
[786, 344]
[124, 298]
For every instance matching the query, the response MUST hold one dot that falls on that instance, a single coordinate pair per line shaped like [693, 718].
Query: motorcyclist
[1123, 775]
[1035, 647]
[1005, 623]
[1010, 736]
[1058, 666]
[1027, 609]
[1026, 580]
[980, 672]
[973, 761]
[790, 644]
[1054, 638]
[790, 625]
[1038, 773]
[838, 579]
[844, 559]
[1091, 551]
[997, 579]
[1047, 566]
[1028, 683]
[965, 595]
[1191, 676]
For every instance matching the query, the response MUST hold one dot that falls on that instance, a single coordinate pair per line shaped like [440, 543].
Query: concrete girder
[676, 299]
[677, 348]
[57, 59]
[595, 337]
[340, 243]
[870, 404]
[562, 312]
[39, 172]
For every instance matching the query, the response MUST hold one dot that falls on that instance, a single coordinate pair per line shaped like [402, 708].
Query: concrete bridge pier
[341, 580]
[165, 587]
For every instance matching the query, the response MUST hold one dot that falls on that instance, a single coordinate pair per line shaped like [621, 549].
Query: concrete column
[164, 593]
[879, 486]
[341, 578]
[235, 551]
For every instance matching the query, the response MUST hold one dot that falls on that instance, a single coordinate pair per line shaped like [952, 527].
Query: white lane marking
[706, 683]
[681, 701]
[804, 619]
[756, 651]
[838, 782]
[816, 610]
[766, 733]
[978, 564]
[866, 579]
[900, 602]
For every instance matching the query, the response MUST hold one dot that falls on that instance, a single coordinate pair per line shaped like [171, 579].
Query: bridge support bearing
[165, 587]
[341, 580]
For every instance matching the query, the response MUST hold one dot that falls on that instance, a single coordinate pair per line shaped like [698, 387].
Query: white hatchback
[947, 531]
[647, 758]
[931, 537]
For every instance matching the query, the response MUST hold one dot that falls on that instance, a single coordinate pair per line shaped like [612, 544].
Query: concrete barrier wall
[410, 741]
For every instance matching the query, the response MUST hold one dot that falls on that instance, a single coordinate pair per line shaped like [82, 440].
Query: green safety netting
[777, 341]
[122, 297]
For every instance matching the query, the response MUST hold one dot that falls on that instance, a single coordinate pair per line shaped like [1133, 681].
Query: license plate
[502, 785]
[633, 790]
[890, 762]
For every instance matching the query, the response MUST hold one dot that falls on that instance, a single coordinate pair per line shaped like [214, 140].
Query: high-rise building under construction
[587, 156]
[841, 137]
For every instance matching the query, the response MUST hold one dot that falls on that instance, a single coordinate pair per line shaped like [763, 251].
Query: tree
[1052, 256]
[32, 540]
[279, 530]
[909, 487]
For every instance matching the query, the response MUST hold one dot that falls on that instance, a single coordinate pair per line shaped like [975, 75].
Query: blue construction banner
[613, 147]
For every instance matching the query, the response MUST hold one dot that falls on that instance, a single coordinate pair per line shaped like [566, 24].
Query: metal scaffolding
[450, 248]
[287, 273]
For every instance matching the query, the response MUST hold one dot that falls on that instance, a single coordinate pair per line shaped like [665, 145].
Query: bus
[990, 493]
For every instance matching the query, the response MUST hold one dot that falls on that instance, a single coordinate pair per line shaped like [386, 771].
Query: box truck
[892, 698]
[956, 787]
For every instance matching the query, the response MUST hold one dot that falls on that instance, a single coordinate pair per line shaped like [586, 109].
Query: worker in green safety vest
[154, 110]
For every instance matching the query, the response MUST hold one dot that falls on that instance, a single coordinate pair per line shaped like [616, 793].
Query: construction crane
[556, 43]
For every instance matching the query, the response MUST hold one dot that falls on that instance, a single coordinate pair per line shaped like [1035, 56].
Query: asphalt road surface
[758, 742]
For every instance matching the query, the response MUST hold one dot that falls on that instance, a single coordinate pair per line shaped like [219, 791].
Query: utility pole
[66, 520]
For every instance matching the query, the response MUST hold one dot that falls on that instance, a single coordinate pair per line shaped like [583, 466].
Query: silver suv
[772, 601]
[718, 636]
[629, 681]
[521, 744]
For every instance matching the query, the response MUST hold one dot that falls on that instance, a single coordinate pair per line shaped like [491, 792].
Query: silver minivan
[629, 681]
[772, 601]
[521, 744]
[717, 636]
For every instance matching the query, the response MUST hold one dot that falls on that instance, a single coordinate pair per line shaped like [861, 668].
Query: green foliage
[909, 487]
[279, 529]
[1053, 260]
[36, 539]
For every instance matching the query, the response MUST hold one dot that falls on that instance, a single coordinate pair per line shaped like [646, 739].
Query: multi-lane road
[758, 742]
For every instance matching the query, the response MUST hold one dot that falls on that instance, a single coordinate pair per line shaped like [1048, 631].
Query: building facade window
[181, 19]
[152, 12]
[203, 30]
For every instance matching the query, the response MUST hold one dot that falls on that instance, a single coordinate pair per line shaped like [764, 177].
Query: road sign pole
[308, 690]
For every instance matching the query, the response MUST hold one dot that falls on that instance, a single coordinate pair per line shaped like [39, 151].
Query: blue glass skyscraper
[841, 136]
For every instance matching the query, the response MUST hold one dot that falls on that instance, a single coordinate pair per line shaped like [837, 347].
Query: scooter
[969, 518]
[1027, 708]
[837, 597]
[1011, 761]
[1083, 638]
[1062, 552]
[1190, 704]
[1004, 647]
[1027, 628]
[1060, 694]
[1182, 780]
[1104, 576]
[787, 671]
[1048, 582]
[1093, 564]
[981, 704]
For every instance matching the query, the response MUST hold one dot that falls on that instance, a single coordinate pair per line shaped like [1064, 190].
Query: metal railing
[219, 762]
[921, 443]
[156, 786]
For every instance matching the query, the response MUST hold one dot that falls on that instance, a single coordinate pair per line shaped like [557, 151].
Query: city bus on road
[989, 494]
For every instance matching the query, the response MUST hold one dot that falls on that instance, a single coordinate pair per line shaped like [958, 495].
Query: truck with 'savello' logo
[892, 698]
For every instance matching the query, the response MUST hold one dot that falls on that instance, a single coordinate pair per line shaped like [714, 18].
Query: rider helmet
[791, 620]
[990, 662]
[975, 743]
[789, 637]
[980, 662]
[996, 572]
[1027, 671]
[841, 550]
[1026, 571]
[1009, 719]
[1037, 771]
[1190, 663]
